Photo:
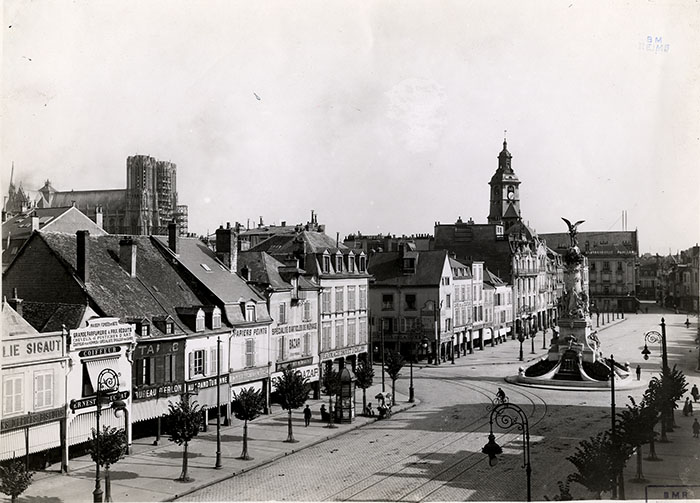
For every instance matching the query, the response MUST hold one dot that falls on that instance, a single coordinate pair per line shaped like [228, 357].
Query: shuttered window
[250, 352]
[43, 389]
[12, 394]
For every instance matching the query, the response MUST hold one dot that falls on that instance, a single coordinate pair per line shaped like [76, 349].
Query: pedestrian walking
[696, 428]
[307, 416]
[694, 391]
[687, 408]
[639, 372]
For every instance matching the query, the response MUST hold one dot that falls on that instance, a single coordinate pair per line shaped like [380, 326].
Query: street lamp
[217, 465]
[507, 415]
[653, 336]
[107, 382]
[524, 315]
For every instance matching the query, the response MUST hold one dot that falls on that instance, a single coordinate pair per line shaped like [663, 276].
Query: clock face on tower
[511, 194]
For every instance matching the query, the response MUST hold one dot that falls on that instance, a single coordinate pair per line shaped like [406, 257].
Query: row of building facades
[672, 281]
[205, 317]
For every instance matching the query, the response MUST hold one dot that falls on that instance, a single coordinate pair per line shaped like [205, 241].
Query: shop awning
[94, 367]
[41, 437]
[144, 410]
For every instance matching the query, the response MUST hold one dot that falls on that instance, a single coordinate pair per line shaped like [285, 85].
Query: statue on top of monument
[572, 231]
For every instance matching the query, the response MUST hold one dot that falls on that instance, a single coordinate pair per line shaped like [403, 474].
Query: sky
[381, 116]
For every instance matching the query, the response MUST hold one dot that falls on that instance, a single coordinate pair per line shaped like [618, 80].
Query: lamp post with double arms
[507, 415]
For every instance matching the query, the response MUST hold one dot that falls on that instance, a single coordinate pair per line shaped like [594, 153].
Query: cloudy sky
[381, 116]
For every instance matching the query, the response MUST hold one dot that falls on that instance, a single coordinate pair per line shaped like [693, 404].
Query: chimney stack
[82, 265]
[99, 219]
[15, 302]
[35, 223]
[173, 238]
[227, 247]
[127, 256]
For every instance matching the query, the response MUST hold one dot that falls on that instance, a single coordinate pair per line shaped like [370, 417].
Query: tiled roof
[386, 267]
[302, 242]
[456, 264]
[229, 288]
[156, 290]
[21, 225]
[50, 317]
[114, 199]
[492, 279]
[263, 269]
[13, 324]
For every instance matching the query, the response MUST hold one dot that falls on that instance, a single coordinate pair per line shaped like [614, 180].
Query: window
[326, 263]
[351, 263]
[143, 329]
[199, 327]
[410, 302]
[339, 308]
[448, 303]
[43, 389]
[283, 314]
[307, 344]
[250, 352]
[12, 394]
[326, 330]
[169, 327]
[169, 366]
[363, 297]
[351, 298]
[363, 264]
[326, 301]
[340, 341]
[409, 265]
[352, 334]
[198, 364]
[387, 302]
[448, 324]
[363, 330]
[216, 318]
[213, 361]
[145, 371]
[307, 311]
[338, 263]
[280, 349]
[250, 313]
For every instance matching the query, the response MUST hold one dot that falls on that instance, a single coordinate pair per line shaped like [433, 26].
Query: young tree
[14, 479]
[598, 460]
[664, 392]
[112, 449]
[293, 390]
[364, 375]
[183, 421]
[636, 426]
[393, 363]
[331, 382]
[246, 406]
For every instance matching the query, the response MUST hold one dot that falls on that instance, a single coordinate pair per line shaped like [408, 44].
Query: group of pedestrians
[688, 409]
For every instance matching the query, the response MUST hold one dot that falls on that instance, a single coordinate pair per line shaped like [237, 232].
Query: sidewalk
[148, 473]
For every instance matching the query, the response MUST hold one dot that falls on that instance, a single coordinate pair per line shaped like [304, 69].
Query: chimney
[82, 265]
[99, 220]
[15, 302]
[35, 223]
[227, 247]
[127, 256]
[173, 238]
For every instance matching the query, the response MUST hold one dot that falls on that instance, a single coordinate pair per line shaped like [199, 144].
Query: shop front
[339, 358]
[308, 369]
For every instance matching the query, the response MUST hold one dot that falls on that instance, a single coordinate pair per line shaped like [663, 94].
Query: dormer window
[142, 327]
[216, 318]
[351, 262]
[199, 323]
[326, 263]
[250, 312]
[409, 265]
[363, 263]
[338, 263]
[169, 327]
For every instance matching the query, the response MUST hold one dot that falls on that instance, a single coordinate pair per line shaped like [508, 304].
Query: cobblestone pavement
[433, 451]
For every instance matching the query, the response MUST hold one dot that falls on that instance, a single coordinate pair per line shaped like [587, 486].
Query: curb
[285, 454]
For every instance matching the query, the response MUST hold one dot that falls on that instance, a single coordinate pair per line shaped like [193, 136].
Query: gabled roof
[304, 242]
[50, 317]
[456, 264]
[13, 324]
[491, 279]
[112, 199]
[263, 270]
[20, 226]
[156, 290]
[386, 267]
[228, 288]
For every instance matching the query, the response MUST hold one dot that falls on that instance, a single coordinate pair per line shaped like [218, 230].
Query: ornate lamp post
[107, 382]
[524, 314]
[653, 336]
[507, 415]
[217, 465]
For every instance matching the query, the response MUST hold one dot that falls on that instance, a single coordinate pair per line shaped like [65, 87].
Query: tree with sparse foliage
[393, 363]
[664, 392]
[564, 493]
[364, 378]
[598, 461]
[636, 427]
[246, 406]
[14, 479]
[112, 449]
[293, 390]
[184, 420]
[331, 383]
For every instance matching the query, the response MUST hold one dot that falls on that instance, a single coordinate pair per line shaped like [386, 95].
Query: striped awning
[80, 425]
[41, 437]
[144, 410]
[94, 367]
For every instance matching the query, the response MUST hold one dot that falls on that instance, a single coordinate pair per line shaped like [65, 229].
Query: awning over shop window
[94, 367]
[144, 410]
[41, 437]
[256, 385]
[80, 425]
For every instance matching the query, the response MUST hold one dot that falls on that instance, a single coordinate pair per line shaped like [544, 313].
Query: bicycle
[500, 400]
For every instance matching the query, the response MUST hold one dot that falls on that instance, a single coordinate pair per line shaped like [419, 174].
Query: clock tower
[505, 192]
